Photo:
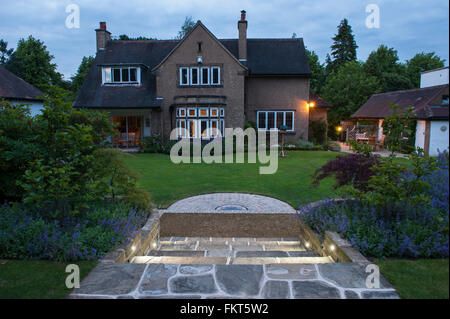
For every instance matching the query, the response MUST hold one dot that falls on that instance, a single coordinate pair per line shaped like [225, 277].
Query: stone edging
[332, 244]
[137, 244]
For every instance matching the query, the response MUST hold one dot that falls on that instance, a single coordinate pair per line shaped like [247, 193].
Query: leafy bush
[156, 144]
[403, 212]
[24, 234]
[419, 232]
[354, 170]
[318, 131]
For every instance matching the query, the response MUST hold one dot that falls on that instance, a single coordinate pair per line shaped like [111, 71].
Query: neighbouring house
[17, 91]
[430, 102]
[201, 84]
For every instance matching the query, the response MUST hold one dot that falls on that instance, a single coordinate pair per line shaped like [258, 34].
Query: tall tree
[187, 26]
[5, 53]
[422, 62]
[83, 69]
[347, 89]
[385, 66]
[317, 79]
[33, 62]
[344, 46]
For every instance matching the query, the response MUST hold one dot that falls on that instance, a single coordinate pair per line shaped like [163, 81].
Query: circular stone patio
[231, 203]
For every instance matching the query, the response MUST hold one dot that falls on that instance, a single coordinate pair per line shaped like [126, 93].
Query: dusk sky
[409, 26]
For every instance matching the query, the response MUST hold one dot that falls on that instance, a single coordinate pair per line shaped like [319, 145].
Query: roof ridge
[411, 90]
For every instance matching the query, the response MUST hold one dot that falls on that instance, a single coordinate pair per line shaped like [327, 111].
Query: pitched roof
[433, 113]
[264, 57]
[378, 104]
[15, 88]
[320, 102]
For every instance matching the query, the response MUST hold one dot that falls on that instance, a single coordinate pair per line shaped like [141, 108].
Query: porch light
[311, 104]
[339, 128]
[332, 247]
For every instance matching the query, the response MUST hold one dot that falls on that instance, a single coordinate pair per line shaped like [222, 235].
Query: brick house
[201, 84]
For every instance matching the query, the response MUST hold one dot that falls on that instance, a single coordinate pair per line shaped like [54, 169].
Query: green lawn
[37, 279]
[417, 279]
[168, 182]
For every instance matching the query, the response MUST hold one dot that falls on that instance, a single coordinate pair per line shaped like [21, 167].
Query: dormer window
[121, 75]
[445, 100]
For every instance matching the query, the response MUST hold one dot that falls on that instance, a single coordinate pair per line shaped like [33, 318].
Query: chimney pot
[243, 15]
[103, 25]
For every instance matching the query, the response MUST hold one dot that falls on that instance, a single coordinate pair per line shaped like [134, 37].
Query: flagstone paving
[231, 281]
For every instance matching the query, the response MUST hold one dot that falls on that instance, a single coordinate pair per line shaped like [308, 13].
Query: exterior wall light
[311, 104]
[307, 244]
[339, 128]
[332, 247]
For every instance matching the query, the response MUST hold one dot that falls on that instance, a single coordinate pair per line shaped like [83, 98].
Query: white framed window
[204, 128]
[272, 120]
[184, 76]
[181, 112]
[215, 75]
[192, 128]
[195, 76]
[214, 128]
[222, 127]
[203, 112]
[222, 112]
[121, 75]
[214, 112]
[204, 71]
[192, 112]
[181, 125]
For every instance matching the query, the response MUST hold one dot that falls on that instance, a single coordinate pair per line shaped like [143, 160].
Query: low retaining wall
[137, 244]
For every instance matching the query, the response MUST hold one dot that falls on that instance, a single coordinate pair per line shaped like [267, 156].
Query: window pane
[270, 120]
[116, 75]
[290, 121]
[192, 112]
[280, 119]
[222, 127]
[203, 112]
[192, 128]
[214, 127]
[215, 76]
[184, 76]
[214, 112]
[204, 128]
[194, 76]
[205, 76]
[133, 75]
[125, 75]
[262, 120]
[107, 73]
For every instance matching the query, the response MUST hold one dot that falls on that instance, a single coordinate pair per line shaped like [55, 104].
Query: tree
[317, 71]
[347, 89]
[344, 46]
[5, 53]
[83, 69]
[187, 26]
[385, 66]
[33, 62]
[422, 62]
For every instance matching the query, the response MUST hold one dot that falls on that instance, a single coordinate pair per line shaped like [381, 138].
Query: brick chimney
[103, 36]
[242, 27]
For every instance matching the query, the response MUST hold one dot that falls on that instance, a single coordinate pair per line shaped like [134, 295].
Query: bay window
[203, 122]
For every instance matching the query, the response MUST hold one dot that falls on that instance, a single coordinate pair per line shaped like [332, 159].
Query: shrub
[411, 232]
[156, 144]
[24, 234]
[354, 170]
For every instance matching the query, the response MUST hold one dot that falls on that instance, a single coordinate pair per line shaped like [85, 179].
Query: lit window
[203, 112]
[214, 128]
[204, 128]
[192, 112]
[214, 112]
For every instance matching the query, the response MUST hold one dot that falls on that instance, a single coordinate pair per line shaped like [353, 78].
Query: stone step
[229, 240]
[230, 253]
[228, 261]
